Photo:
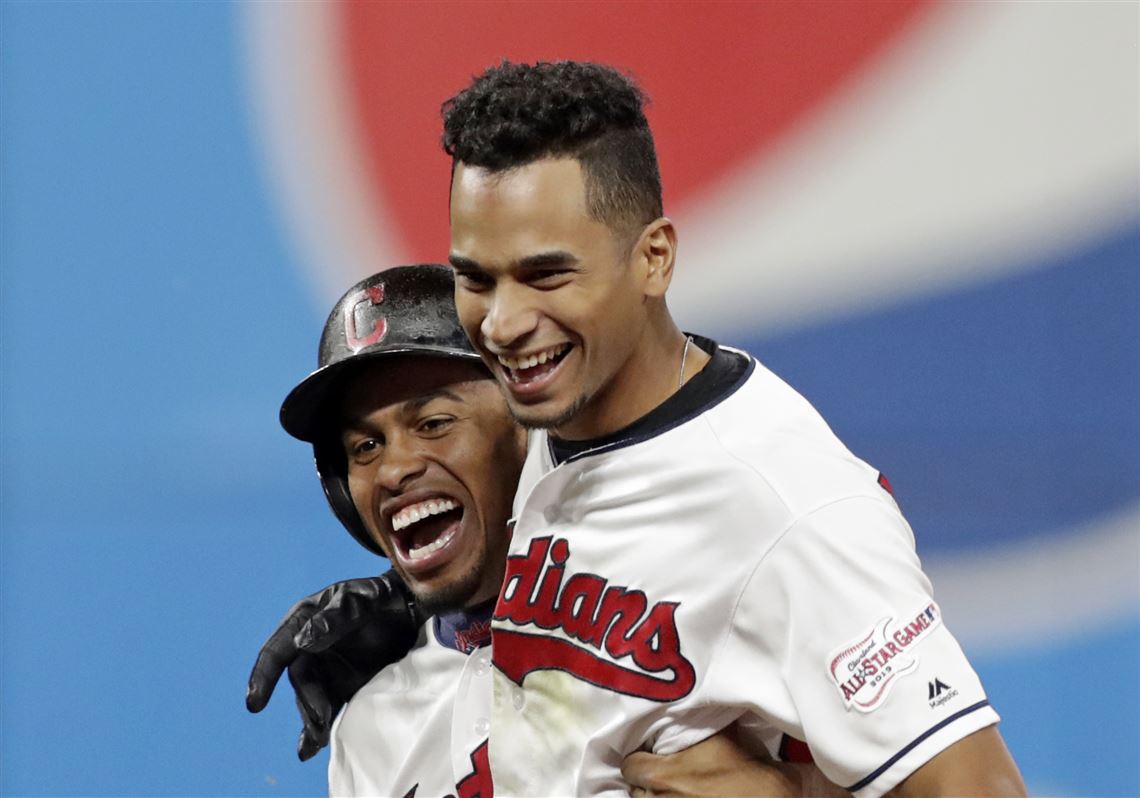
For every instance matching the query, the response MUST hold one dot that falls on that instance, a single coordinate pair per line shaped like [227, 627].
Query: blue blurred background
[165, 269]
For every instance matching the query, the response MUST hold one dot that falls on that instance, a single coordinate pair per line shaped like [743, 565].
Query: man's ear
[654, 253]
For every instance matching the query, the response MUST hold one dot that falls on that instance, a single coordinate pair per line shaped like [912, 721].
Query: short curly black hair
[514, 114]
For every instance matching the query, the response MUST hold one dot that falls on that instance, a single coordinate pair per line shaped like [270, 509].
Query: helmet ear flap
[332, 468]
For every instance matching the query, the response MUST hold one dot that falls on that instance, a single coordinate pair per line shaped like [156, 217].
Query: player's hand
[721, 765]
[332, 643]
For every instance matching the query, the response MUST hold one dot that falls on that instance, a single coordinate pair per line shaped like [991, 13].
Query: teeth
[435, 545]
[530, 361]
[418, 512]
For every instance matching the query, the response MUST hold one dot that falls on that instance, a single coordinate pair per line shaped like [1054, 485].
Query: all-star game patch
[865, 669]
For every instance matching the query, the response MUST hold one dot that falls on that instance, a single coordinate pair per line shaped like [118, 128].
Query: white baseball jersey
[724, 555]
[419, 728]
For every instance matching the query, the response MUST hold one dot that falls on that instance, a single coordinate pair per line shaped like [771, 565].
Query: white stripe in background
[989, 137]
[302, 114]
[1044, 589]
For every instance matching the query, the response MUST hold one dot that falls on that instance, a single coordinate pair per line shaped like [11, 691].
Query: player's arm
[723, 765]
[332, 643]
[882, 690]
[978, 765]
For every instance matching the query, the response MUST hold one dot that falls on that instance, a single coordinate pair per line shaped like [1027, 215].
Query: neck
[652, 373]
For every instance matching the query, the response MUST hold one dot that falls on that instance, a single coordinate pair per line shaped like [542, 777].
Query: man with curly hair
[692, 543]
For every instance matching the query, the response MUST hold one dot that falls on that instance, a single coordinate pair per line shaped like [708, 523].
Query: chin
[454, 595]
[552, 418]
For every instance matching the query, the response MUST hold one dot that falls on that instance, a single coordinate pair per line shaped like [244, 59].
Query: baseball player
[691, 542]
[419, 459]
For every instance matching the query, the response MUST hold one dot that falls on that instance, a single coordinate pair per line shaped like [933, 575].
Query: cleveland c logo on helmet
[369, 298]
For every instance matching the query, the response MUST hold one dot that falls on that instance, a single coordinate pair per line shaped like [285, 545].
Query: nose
[402, 463]
[510, 316]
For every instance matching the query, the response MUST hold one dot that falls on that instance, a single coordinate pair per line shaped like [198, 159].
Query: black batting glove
[332, 643]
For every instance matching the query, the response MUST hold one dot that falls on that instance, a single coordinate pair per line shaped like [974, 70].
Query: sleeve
[340, 771]
[840, 612]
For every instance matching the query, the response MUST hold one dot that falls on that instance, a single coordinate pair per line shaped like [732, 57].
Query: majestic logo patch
[616, 640]
[938, 693]
[865, 669]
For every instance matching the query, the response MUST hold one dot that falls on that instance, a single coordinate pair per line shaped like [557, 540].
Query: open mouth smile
[424, 531]
[531, 372]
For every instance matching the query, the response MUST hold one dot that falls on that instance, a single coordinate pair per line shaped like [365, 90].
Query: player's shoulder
[770, 438]
[426, 664]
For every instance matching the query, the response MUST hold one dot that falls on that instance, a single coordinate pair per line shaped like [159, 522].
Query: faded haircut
[514, 114]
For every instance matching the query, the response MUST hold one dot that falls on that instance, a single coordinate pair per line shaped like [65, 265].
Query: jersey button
[517, 698]
[482, 727]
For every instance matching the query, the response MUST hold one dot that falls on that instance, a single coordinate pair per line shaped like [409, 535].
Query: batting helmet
[406, 310]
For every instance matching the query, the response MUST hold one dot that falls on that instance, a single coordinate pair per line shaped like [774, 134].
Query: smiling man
[691, 540]
[418, 457]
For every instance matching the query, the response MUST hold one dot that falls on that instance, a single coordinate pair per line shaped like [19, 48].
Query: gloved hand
[333, 642]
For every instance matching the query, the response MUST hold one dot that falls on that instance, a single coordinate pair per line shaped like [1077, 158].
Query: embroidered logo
[865, 670]
[477, 635]
[938, 693]
[610, 636]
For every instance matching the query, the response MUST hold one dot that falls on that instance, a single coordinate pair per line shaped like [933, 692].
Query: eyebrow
[460, 262]
[439, 393]
[537, 261]
[410, 406]
[544, 259]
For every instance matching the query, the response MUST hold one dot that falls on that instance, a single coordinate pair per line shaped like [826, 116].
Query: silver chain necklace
[684, 356]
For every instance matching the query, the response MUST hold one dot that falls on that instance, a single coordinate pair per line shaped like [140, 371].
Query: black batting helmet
[406, 310]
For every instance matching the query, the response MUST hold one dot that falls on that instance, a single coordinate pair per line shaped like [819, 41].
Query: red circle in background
[725, 79]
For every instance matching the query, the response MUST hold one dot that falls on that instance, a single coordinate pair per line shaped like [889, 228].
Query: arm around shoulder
[977, 765]
[723, 765]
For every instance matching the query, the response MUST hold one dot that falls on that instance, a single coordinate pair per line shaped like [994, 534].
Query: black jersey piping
[653, 432]
[959, 714]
